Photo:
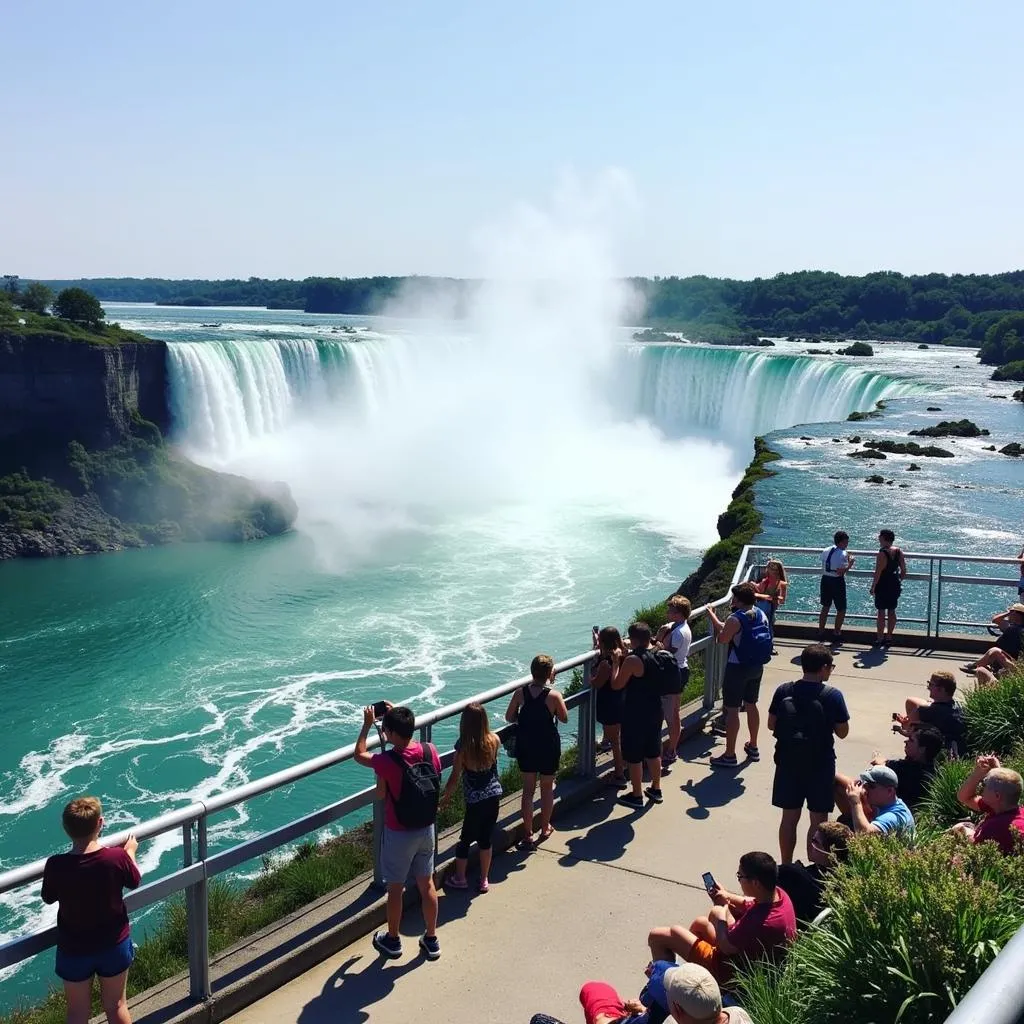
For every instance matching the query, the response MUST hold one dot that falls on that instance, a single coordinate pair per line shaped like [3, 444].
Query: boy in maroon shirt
[92, 922]
[999, 800]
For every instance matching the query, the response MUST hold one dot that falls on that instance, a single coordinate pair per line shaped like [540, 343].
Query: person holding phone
[754, 924]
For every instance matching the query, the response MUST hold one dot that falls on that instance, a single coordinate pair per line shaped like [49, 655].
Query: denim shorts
[404, 853]
[107, 963]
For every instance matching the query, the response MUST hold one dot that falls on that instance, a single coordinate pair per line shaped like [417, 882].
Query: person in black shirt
[805, 883]
[941, 711]
[1006, 651]
[922, 746]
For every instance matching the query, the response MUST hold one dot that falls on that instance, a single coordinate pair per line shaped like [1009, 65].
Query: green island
[100, 476]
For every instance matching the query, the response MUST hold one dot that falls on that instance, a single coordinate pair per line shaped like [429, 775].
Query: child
[476, 761]
[771, 591]
[609, 701]
[93, 935]
[538, 747]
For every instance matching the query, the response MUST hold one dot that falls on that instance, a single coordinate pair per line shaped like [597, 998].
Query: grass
[995, 715]
[39, 325]
[960, 902]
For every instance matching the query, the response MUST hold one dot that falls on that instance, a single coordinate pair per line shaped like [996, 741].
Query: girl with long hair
[771, 591]
[476, 763]
[609, 701]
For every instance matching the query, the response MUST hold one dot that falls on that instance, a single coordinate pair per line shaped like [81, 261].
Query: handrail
[997, 997]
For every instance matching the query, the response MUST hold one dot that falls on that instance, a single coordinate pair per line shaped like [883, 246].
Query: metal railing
[928, 567]
[199, 865]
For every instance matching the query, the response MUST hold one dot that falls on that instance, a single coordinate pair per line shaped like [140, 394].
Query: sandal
[451, 882]
[526, 843]
[546, 833]
[483, 885]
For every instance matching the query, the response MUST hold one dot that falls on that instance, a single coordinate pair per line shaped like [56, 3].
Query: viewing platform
[581, 905]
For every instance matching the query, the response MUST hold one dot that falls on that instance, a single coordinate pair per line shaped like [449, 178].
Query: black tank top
[536, 723]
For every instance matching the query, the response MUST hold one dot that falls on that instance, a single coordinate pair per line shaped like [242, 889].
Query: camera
[380, 709]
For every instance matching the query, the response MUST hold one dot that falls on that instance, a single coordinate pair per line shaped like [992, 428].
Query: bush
[1010, 371]
[858, 348]
[959, 902]
[78, 306]
[995, 715]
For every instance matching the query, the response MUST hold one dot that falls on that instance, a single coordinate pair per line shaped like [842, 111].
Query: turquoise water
[466, 501]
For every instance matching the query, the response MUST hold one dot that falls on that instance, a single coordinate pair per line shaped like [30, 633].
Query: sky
[230, 138]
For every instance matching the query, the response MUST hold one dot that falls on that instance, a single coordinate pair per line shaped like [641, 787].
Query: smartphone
[895, 716]
[709, 881]
[380, 709]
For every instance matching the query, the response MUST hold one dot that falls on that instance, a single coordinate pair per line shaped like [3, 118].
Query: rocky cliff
[83, 462]
[55, 389]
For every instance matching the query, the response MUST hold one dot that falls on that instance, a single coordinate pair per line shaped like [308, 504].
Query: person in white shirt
[835, 564]
[675, 636]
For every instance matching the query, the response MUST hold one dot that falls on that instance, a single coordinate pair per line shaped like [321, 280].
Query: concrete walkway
[580, 906]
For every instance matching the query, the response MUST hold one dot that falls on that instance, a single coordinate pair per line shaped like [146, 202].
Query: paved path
[580, 907]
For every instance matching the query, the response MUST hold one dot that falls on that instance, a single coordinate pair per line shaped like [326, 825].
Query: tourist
[409, 782]
[476, 761]
[835, 564]
[923, 744]
[641, 715]
[749, 640]
[940, 711]
[675, 636]
[93, 934]
[686, 993]
[756, 924]
[610, 700]
[998, 800]
[890, 572]
[771, 591]
[805, 883]
[1002, 655]
[874, 807]
[535, 708]
[805, 717]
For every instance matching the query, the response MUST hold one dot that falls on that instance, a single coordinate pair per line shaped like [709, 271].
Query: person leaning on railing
[93, 934]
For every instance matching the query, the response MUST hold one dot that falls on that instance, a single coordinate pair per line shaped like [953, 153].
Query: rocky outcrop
[55, 389]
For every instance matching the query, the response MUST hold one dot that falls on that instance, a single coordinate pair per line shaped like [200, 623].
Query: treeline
[954, 309]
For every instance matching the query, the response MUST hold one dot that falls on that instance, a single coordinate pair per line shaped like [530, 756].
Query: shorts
[710, 958]
[741, 684]
[406, 852]
[833, 591]
[535, 761]
[478, 825]
[108, 963]
[599, 999]
[669, 706]
[609, 705]
[815, 786]
[887, 598]
[641, 740]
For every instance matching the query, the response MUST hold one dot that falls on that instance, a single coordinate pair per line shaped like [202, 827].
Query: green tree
[77, 305]
[36, 298]
[11, 284]
[1004, 341]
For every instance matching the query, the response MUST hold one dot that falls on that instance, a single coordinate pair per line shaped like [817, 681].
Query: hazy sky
[223, 138]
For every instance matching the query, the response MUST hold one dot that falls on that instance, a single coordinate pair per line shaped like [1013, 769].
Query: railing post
[938, 603]
[586, 729]
[197, 916]
[928, 613]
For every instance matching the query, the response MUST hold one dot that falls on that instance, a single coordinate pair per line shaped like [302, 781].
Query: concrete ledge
[904, 638]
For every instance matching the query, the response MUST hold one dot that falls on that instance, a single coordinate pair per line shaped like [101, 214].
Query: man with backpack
[805, 716]
[749, 637]
[645, 675]
[409, 783]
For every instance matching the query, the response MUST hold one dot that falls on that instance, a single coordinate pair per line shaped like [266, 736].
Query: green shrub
[1009, 371]
[954, 902]
[995, 715]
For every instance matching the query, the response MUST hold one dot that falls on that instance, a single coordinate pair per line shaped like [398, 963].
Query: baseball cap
[694, 990]
[880, 775]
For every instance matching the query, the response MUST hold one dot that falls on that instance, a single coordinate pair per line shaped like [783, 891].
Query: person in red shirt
[998, 800]
[93, 935]
[756, 924]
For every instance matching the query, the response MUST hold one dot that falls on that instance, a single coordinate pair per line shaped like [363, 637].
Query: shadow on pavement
[719, 788]
[871, 658]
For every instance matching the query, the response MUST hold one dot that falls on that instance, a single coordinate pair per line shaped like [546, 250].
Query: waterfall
[226, 394]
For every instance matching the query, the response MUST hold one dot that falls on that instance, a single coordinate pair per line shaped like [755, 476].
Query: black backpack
[802, 732]
[416, 803]
[661, 672]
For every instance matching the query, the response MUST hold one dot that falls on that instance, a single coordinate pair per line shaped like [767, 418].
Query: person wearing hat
[874, 791]
[1007, 648]
[688, 993]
